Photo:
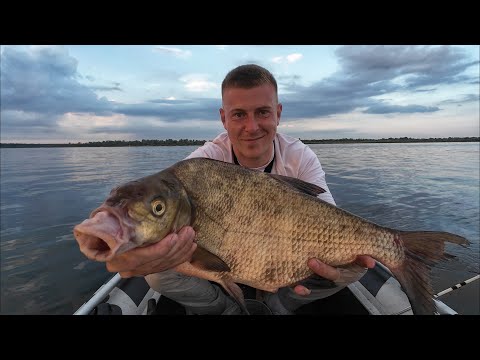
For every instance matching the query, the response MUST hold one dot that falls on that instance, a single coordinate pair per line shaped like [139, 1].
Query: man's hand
[332, 273]
[169, 252]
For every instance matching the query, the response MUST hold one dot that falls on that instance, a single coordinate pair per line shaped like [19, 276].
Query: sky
[82, 93]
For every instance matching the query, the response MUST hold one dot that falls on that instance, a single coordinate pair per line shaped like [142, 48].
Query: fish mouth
[105, 234]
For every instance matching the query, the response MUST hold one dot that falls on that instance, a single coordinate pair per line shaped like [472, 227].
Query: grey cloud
[105, 88]
[28, 126]
[170, 102]
[174, 110]
[143, 130]
[369, 71]
[288, 81]
[323, 134]
[423, 65]
[27, 121]
[288, 78]
[44, 81]
[425, 90]
[44, 84]
[387, 109]
[466, 98]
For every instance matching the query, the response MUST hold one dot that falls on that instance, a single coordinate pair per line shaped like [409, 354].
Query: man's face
[250, 117]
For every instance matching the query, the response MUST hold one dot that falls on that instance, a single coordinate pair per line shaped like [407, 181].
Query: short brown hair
[248, 76]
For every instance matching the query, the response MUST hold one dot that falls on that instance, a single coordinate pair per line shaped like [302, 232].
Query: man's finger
[126, 274]
[185, 253]
[365, 261]
[302, 290]
[162, 264]
[324, 270]
[183, 243]
[139, 256]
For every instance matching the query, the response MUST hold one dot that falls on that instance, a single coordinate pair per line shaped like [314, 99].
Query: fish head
[135, 214]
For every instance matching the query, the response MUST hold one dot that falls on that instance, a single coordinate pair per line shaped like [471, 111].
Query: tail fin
[423, 249]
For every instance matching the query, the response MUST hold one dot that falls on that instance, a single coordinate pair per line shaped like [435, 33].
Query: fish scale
[283, 228]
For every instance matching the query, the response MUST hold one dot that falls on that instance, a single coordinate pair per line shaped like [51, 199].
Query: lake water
[45, 192]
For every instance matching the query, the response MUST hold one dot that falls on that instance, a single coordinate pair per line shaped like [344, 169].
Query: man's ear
[222, 116]
[279, 112]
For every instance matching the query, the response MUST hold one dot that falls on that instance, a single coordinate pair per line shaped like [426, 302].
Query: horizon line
[186, 141]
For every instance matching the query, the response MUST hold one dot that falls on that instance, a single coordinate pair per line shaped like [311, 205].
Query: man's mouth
[253, 139]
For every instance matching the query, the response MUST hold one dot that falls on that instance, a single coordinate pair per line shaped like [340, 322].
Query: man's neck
[254, 163]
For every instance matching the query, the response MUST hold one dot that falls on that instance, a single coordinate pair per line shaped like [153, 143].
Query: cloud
[41, 92]
[173, 110]
[25, 121]
[288, 59]
[123, 127]
[198, 83]
[182, 54]
[44, 80]
[423, 65]
[386, 109]
[222, 47]
[106, 88]
[369, 72]
[466, 98]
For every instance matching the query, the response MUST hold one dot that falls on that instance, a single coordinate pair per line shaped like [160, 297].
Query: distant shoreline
[186, 142]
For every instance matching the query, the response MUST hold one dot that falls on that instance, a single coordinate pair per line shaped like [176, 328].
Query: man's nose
[251, 123]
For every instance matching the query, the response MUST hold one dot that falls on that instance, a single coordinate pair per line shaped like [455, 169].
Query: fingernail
[317, 264]
[305, 291]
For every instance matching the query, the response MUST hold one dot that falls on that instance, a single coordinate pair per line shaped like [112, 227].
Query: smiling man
[251, 117]
[250, 114]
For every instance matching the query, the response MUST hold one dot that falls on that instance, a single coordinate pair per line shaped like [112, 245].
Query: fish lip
[108, 245]
[127, 224]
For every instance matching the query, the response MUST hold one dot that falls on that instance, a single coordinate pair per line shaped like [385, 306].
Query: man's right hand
[169, 252]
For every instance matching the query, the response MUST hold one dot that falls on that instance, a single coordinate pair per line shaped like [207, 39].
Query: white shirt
[292, 158]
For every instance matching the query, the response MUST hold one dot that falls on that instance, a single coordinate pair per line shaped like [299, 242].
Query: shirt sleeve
[312, 172]
[200, 152]
[208, 150]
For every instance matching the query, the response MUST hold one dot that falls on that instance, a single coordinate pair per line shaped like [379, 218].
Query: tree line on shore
[187, 142]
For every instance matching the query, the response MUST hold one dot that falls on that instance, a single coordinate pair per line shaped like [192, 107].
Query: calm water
[46, 192]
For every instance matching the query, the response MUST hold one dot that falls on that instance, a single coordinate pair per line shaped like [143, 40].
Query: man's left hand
[332, 273]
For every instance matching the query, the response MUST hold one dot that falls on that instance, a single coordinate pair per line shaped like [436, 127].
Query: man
[250, 114]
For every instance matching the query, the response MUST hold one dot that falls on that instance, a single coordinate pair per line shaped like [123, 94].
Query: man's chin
[254, 149]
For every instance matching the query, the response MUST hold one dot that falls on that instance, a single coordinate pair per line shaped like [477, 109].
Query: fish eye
[158, 207]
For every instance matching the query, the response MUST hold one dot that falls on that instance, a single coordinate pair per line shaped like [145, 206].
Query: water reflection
[45, 192]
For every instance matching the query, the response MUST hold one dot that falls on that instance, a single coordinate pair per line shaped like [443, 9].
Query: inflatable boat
[376, 293]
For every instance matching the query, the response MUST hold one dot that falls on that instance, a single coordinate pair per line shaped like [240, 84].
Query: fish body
[255, 228]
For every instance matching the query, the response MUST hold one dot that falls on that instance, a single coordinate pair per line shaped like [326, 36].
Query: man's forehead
[256, 97]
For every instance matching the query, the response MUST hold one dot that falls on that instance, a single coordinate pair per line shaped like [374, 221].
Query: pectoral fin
[206, 265]
[205, 260]
[235, 292]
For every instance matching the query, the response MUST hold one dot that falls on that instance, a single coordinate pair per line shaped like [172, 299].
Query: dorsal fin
[303, 186]
[205, 260]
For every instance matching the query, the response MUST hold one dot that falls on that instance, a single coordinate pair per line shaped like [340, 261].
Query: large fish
[255, 228]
